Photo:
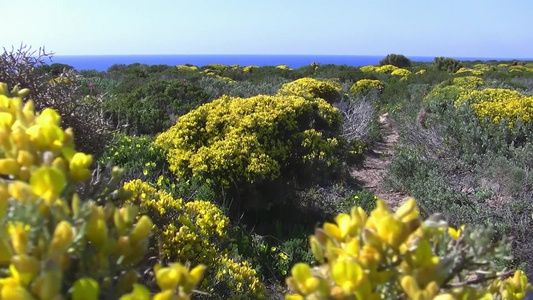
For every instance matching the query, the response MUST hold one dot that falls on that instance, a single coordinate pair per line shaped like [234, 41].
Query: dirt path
[370, 176]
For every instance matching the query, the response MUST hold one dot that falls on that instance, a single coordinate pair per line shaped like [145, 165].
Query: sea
[103, 62]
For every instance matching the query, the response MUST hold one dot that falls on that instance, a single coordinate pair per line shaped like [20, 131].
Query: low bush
[310, 88]
[237, 142]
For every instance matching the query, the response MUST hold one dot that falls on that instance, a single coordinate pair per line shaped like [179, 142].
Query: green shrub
[153, 107]
[447, 64]
[397, 60]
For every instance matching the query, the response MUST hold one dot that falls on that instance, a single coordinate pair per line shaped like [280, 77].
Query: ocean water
[103, 62]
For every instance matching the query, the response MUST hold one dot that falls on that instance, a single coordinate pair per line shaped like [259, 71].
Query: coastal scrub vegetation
[234, 182]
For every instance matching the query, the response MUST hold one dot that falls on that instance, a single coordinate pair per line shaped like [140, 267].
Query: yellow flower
[19, 237]
[47, 182]
[455, 233]
[142, 229]
[303, 279]
[348, 275]
[9, 166]
[85, 289]
[79, 165]
[62, 238]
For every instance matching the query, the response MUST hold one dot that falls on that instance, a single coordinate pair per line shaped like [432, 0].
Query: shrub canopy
[236, 140]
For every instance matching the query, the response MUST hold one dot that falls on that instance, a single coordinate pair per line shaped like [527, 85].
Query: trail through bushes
[371, 175]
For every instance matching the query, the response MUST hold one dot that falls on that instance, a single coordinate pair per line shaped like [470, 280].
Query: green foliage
[397, 60]
[138, 155]
[152, 108]
[447, 64]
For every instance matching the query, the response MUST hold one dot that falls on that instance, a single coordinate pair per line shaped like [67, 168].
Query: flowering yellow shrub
[481, 67]
[189, 232]
[239, 277]
[283, 67]
[249, 69]
[232, 140]
[388, 255]
[474, 72]
[195, 232]
[53, 243]
[187, 68]
[468, 82]
[387, 69]
[369, 69]
[499, 104]
[310, 88]
[364, 85]
[401, 72]
[421, 72]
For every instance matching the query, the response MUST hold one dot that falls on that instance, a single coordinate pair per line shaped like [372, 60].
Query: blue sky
[457, 28]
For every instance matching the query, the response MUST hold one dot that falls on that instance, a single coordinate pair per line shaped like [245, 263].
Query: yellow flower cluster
[468, 82]
[481, 67]
[403, 73]
[190, 232]
[499, 104]
[243, 140]
[385, 69]
[175, 281]
[310, 88]
[51, 241]
[383, 254]
[421, 72]
[283, 67]
[249, 69]
[187, 68]
[240, 277]
[521, 69]
[474, 72]
[364, 85]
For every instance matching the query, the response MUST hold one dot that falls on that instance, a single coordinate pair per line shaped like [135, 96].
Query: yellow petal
[333, 231]
[142, 229]
[408, 211]
[347, 274]
[410, 287]
[344, 222]
[197, 273]
[62, 238]
[9, 166]
[301, 272]
[167, 278]
[48, 117]
[47, 182]
[85, 289]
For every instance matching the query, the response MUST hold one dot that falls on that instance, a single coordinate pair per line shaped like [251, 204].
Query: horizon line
[248, 54]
